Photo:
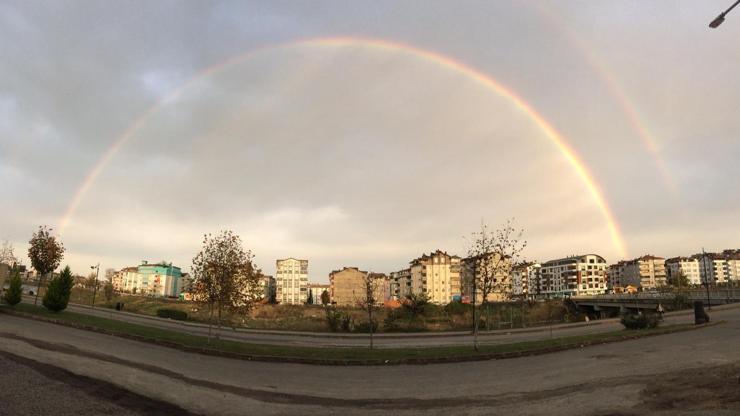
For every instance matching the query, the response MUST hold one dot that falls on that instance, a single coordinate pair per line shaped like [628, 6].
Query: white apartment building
[573, 276]
[525, 280]
[437, 275]
[719, 268]
[291, 281]
[647, 272]
[689, 266]
[614, 275]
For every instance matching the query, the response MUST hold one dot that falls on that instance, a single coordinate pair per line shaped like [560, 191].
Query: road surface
[687, 373]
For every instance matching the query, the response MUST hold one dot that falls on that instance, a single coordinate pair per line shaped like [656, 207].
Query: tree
[13, 294]
[491, 257]
[325, 298]
[45, 253]
[57, 294]
[7, 253]
[309, 301]
[108, 291]
[225, 277]
[370, 283]
[90, 281]
[679, 280]
[414, 305]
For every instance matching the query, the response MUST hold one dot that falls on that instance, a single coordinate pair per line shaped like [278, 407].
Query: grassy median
[330, 355]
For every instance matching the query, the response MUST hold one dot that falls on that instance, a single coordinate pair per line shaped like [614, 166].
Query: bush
[57, 294]
[13, 294]
[639, 321]
[175, 314]
[365, 326]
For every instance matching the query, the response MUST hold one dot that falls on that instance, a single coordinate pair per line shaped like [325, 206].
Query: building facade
[614, 276]
[158, 279]
[291, 281]
[500, 284]
[583, 275]
[646, 272]
[400, 284]
[348, 287]
[688, 266]
[525, 280]
[437, 276]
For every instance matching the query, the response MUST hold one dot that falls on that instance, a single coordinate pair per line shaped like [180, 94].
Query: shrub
[639, 321]
[365, 326]
[175, 314]
[458, 308]
[57, 294]
[13, 294]
[334, 319]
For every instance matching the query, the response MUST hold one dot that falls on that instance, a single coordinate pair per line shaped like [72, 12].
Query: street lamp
[97, 272]
[721, 18]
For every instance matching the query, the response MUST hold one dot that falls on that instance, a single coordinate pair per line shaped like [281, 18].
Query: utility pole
[95, 287]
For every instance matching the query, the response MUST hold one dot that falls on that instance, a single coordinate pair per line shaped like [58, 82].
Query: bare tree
[225, 277]
[491, 257]
[370, 282]
[7, 254]
[46, 253]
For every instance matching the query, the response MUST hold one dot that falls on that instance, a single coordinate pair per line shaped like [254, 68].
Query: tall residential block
[573, 276]
[525, 280]
[348, 286]
[400, 284]
[646, 272]
[291, 281]
[436, 275]
[154, 279]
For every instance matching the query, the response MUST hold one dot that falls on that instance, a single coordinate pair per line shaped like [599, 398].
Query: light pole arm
[721, 18]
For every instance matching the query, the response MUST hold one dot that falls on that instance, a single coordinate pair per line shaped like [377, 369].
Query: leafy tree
[492, 255]
[679, 280]
[325, 298]
[225, 277]
[13, 294]
[414, 305]
[45, 253]
[309, 301]
[57, 294]
[108, 291]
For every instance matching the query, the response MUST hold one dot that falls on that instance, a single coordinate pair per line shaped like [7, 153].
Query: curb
[350, 362]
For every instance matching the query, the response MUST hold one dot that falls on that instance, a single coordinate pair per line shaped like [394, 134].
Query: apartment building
[291, 281]
[525, 280]
[315, 290]
[501, 283]
[267, 283]
[689, 266]
[614, 275]
[573, 276]
[438, 276]
[646, 272]
[400, 284]
[153, 279]
[348, 287]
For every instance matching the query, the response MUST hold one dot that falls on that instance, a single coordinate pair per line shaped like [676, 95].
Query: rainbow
[384, 46]
[625, 104]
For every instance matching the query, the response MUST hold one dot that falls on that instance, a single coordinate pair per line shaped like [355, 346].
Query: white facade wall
[291, 280]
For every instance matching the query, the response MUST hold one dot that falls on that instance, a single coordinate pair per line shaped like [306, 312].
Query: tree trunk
[210, 321]
[218, 332]
[38, 289]
[475, 326]
[370, 314]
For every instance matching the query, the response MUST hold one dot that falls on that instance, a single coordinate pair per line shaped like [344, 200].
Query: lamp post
[95, 287]
[721, 18]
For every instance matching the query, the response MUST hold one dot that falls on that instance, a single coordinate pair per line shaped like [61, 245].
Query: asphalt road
[687, 373]
[381, 340]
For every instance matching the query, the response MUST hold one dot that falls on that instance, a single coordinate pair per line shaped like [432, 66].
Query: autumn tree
[492, 255]
[57, 295]
[225, 277]
[108, 291]
[46, 253]
[309, 300]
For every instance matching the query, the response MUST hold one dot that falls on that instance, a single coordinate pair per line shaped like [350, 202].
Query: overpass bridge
[604, 304]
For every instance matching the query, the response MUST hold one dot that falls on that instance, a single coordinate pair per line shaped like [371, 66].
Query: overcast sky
[352, 155]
